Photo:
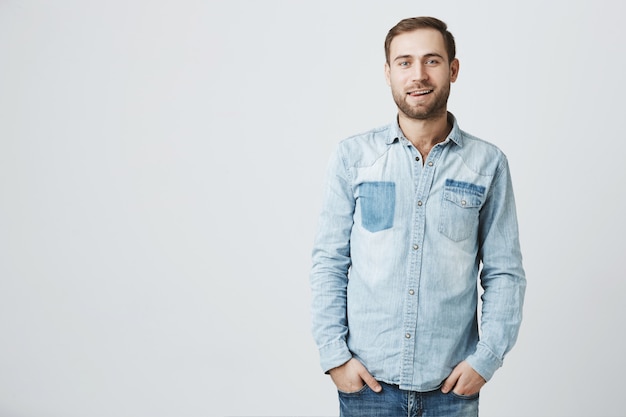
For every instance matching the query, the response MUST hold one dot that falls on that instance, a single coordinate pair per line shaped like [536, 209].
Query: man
[411, 212]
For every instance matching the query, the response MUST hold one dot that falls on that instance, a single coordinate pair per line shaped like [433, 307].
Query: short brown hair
[413, 23]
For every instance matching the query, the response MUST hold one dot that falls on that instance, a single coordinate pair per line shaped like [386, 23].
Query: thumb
[370, 380]
[450, 381]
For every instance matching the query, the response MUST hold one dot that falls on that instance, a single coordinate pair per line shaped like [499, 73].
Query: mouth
[417, 93]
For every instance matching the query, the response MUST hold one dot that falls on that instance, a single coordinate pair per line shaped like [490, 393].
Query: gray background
[161, 171]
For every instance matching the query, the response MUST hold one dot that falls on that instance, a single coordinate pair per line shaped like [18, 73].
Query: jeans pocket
[354, 393]
[465, 397]
[378, 204]
[460, 209]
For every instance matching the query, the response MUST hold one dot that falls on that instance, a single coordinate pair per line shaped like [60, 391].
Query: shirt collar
[395, 133]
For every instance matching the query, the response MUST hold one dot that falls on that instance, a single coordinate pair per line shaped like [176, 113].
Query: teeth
[420, 93]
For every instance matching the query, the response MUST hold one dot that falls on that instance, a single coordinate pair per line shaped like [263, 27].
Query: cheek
[397, 80]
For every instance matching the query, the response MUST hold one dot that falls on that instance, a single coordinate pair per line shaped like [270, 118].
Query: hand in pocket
[352, 376]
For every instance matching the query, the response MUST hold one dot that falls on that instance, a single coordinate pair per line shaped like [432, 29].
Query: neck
[424, 134]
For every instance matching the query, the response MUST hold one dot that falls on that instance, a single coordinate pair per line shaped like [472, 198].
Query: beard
[433, 109]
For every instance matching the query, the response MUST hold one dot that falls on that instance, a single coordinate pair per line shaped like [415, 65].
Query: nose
[419, 73]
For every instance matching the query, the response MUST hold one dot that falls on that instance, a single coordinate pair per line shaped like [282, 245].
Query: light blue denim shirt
[399, 250]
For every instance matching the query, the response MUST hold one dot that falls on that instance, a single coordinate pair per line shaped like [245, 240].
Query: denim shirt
[399, 250]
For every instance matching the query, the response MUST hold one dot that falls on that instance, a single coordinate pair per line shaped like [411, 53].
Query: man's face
[419, 73]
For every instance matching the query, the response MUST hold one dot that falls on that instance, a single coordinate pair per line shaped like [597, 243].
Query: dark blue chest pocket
[377, 200]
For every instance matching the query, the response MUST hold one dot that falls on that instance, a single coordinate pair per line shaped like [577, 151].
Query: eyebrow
[428, 55]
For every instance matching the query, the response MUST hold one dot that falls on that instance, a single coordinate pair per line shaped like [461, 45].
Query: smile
[419, 92]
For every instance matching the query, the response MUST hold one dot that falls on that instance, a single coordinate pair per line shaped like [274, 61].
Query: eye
[432, 62]
[404, 63]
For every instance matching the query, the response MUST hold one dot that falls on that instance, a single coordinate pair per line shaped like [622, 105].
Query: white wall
[161, 167]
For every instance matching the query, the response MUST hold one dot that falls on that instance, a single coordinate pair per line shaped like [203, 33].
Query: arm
[502, 277]
[331, 262]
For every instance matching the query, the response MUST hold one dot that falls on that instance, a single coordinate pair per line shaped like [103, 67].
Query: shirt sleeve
[502, 276]
[330, 265]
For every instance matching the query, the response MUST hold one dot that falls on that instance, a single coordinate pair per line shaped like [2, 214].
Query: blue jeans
[394, 402]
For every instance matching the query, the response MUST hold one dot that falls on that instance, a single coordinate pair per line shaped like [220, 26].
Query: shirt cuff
[334, 354]
[484, 361]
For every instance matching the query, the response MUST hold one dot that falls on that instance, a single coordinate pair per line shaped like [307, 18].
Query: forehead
[417, 43]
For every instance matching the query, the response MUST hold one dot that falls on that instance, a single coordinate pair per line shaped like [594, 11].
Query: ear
[454, 70]
[387, 75]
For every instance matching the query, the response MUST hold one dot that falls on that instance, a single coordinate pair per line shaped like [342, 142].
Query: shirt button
[430, 163]
[463, 202]
[416, 247]
[411, 292]
[417, 158]
[408, 335]
[419, 203]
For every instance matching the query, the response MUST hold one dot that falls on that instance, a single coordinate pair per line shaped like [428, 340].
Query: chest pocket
[378, 204]
[460, 209]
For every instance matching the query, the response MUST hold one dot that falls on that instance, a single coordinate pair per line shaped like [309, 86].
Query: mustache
[422, 86]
